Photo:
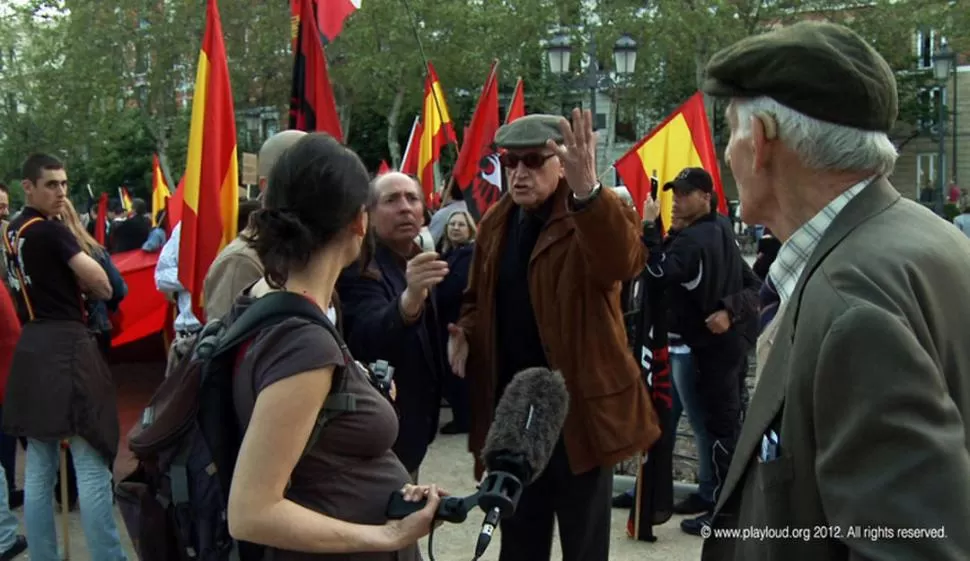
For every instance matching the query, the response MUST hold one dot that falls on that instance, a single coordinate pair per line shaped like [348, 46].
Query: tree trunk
[346, 112]
[393, 116]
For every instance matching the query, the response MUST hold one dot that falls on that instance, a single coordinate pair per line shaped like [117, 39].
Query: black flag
[654, 498]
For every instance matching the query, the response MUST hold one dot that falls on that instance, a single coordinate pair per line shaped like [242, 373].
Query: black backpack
[174, 503]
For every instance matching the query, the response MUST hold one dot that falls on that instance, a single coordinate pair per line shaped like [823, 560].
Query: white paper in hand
[425, 240]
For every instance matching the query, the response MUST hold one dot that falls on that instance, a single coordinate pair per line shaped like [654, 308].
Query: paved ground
[448, 464]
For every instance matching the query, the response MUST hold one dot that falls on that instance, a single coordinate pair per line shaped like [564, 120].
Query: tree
[379, 64]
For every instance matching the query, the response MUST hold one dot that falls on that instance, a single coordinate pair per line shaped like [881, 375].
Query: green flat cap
[822, 70]
[530, 131]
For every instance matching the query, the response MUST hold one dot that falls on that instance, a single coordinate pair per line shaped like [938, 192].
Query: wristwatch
[589, 196]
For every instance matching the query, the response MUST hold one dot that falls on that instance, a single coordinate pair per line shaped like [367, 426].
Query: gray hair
[819, 144]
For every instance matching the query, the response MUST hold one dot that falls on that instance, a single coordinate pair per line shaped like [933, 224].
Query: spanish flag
[125, 199]
[160, 191]
[682, 140]
[211, 198]
[436, 131]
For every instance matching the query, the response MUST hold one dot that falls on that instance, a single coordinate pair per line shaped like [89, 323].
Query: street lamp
[942, 66]
[625, 55]
[558, 50]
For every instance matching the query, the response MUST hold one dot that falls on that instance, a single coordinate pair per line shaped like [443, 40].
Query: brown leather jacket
[575, 275]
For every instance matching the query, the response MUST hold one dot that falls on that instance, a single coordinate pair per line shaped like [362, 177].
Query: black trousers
[457, 393]
[720, 372]
[8, 458]
[581, 505]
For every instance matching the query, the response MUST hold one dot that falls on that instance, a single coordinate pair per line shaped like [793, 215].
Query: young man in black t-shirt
[59, 387]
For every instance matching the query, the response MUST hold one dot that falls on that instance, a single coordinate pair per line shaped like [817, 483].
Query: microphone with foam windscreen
[523, 435]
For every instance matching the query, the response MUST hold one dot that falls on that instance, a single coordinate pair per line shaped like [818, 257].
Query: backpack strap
[273, 308]
[11, 249]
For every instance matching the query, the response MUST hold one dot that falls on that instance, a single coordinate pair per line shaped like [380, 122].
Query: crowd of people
[853, 316]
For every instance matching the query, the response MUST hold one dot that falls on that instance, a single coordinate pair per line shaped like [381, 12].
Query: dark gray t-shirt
[351, 471]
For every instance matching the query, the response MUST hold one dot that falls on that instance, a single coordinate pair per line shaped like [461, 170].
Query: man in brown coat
[544, 291]
[855, 445]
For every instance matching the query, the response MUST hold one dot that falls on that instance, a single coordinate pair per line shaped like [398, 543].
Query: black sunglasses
[531, 160]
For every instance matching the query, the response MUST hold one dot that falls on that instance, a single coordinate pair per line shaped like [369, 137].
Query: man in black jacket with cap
[702, 269]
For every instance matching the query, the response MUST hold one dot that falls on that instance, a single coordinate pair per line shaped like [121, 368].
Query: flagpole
[427, 63]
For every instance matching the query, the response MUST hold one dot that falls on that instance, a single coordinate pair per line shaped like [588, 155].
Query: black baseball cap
[690, 179]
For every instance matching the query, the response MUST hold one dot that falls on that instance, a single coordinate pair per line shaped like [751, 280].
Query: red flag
[517, 105]
[409, 162]
[477, 170]
[312, 106]
[144, 311]
[331, 15]
[383, 168]
[173, 207]
[211, 198]
[102, 219]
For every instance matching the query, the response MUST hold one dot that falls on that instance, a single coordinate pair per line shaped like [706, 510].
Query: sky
[7, 7]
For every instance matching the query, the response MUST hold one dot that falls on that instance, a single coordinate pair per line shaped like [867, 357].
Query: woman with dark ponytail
[328, 503]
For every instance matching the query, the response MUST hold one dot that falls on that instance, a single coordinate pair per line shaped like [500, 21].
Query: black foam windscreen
[527, 424]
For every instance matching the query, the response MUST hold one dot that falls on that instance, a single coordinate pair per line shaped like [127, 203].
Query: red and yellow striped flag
[211, 198]
[160, 190]
[125, 199]
[682, 140]
[436, 131]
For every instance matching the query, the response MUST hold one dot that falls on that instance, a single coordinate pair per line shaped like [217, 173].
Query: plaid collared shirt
[793, 256]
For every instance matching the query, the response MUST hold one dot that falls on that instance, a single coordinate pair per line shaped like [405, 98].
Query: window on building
[925, 46]
[626, 130]
[600, 123]
[930, 100]
[927, 179]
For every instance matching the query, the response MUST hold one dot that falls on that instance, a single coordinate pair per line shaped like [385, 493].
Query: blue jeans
[684, 373]
[94, 495]
[8, 522]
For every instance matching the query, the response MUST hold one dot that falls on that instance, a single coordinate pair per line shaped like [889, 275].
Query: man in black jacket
[132, 232]
[704, 272]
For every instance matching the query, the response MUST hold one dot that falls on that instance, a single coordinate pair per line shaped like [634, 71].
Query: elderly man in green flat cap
[544, 291]
[855, 445]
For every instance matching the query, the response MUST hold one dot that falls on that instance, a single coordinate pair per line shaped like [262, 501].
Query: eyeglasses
[531, 160]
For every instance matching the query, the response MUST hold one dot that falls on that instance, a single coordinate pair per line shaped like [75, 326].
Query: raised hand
[651, 209]
[423, 271]
[578, 152]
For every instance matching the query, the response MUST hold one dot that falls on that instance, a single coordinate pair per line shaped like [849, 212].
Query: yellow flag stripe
[434, 120]
[193, 165]
[229, 201]
[668, 152]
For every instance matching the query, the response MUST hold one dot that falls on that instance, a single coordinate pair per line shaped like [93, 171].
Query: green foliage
[126, 158]
[16, 195]
[104, 87]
